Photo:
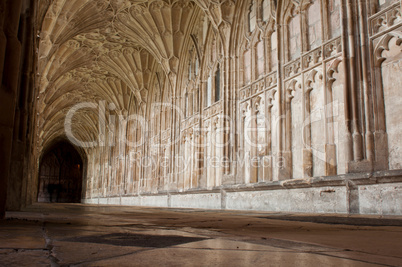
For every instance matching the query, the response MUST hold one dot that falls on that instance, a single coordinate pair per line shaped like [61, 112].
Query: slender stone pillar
[10, 67]
[20, 152]
[3, 38]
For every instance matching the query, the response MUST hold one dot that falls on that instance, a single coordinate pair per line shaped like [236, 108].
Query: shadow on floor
[136, 240]
[364, 221]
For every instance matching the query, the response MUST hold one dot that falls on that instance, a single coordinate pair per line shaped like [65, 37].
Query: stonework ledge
[357, 179]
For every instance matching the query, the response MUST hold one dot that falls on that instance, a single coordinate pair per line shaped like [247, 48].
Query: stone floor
[85, 235]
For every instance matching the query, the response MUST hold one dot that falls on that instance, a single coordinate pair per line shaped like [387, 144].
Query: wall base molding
[363, 193]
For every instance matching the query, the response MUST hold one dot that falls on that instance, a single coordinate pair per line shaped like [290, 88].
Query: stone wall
[375, 194]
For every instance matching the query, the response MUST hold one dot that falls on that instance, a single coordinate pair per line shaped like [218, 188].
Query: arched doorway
[60, 174]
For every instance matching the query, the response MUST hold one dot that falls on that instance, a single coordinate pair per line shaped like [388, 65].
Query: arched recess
[388, 104]
[61, 174]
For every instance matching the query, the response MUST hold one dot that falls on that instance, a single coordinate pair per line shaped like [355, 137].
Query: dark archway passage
[60, 174]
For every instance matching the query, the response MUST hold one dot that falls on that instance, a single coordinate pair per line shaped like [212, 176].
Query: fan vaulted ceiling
[110, 50]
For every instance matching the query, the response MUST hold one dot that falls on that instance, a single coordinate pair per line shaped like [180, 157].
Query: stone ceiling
[110, 50]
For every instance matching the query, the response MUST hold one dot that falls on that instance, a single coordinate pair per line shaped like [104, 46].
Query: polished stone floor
[86, 235]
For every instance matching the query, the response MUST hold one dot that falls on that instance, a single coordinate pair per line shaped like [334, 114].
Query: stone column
[9, 69]
[331, 160]
[353, 75]
[369, 137]
[3, 131]
[285, 155]
[20, 151]
[3, 38]
[347, 87]
[254, 148]
[286, 172]
[269, 136]
[307, 151]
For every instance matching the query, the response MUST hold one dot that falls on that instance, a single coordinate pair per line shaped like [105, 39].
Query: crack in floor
[110, 257]
[54, 261]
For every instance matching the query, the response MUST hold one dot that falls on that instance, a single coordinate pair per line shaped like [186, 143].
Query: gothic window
[314, 25]
[265, 10]
[305, 28]
[189, 71]
[247, 66]
[196, 66]
[385, 3]
[294, 35]
[190, 105]
[196, 101]
[260, 58]
[334, 11]
[213, 50]
[209, 91]
[186, 112]
[274, 51]
[252, 16]
[217, 84]
[205, 29]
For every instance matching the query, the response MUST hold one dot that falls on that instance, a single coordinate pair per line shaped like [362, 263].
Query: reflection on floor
[84, 235]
